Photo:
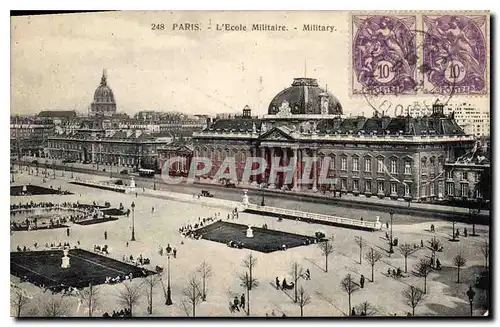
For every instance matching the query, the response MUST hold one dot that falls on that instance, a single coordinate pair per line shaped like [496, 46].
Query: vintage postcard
[250, 164]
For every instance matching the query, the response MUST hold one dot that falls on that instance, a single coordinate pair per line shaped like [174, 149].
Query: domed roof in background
[103, 93]
[304, 97]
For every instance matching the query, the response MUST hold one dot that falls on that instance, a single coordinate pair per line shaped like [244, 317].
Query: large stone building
[104, 100]
[401, 157]
[28, 135]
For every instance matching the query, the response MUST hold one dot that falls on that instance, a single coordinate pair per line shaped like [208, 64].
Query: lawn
[264, 240]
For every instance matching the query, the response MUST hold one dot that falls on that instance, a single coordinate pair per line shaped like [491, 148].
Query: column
[271, 157]
[296, 172]
[315, 172]
[285, 164]
[253, 154]
[263, 155]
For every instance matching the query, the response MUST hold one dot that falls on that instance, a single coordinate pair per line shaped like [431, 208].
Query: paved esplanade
[444, 296]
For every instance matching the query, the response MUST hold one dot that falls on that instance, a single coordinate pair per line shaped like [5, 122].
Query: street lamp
[168, 301]
[470, 295]
[133, 221]
[391, 250]
[262, 203]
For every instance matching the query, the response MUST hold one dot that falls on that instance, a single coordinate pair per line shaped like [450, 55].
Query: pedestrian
[126, 245]
[169, 249]
[105, 235]
[242, 301]
[277, 284]
[67, 231]
[236, 303]
[308, 273]
[175, 253]
[421, 243]
[152, 209]
[353, 313]
[362, 281]
[438, 264]
[465, 232]
[135, 194]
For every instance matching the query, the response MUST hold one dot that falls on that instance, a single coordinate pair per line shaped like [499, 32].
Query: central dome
[104, 101]
[305, 97]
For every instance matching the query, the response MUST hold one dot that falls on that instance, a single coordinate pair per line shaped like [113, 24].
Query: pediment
[276, 134]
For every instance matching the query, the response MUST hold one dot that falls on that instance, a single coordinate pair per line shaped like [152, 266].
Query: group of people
[101, 249]
[139, 261]
[284, 285]
[396, 273]
[116, 314]
[236, 304]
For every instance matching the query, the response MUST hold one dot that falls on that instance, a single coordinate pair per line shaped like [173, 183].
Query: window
[368, 186]
[407, 190]
[380, 187]
[343, 163]
[380, 165]
[450, 189]
[432, 191]
[394, 188]
[332, 163]
[368, 165]
[343, 184]
[355, 164]
[394, 169]
[464, 175]
[464, 190]
[407, 168]
[449, 174]
[355, 185]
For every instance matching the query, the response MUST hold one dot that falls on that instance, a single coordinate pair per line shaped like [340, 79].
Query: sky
[57, 62]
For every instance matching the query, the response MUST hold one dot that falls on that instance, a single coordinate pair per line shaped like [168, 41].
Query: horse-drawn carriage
[206, 193]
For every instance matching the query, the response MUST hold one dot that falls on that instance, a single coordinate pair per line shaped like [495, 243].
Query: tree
[349, 286]
[406, 250]
[129, 296]
[373, 257]
[366, 309]
[459, 261]
[296, 272]
[90, 298]
[18, 300]
[303, 300]
[150, 282]
[55, 307]
[423, 268]
[205, 271]
[413, 296]
[248, 283]
[193, 293]
[250, 263]
[485, 249]
[326, 248]
[361, 243]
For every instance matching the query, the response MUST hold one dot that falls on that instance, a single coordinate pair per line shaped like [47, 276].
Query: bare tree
[250, 263]
[485, 249]
[150, 283]
[193, 293]
[349, 286]
[18, 300]
[326, 248]
[366, 309]
[423, 268]
[303, 300]
[459, 261]
[90, 298]
[373, 257]
[248, 283]
[413, 296]
[205, 271]
[296, 272]
[361, 243]
[55, 307]
[129, 296]
[406, 249]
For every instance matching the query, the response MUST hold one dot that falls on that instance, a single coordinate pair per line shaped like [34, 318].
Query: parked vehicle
[124, 172]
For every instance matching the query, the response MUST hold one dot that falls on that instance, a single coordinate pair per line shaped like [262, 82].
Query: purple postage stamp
[384, 58]
[455, 54]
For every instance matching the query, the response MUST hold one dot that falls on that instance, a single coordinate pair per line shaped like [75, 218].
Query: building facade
[400, 158]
